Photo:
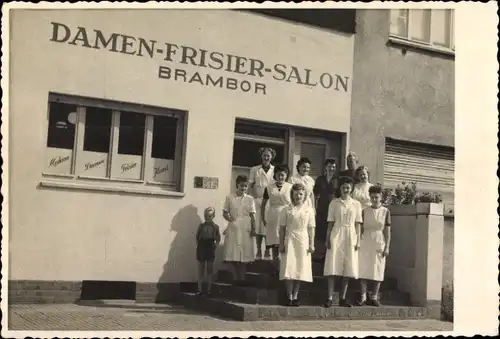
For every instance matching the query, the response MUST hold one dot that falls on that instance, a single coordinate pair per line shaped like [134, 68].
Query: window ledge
[405, 42]
[153, 191]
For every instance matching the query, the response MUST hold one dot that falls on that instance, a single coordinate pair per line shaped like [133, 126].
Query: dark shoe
[344, 303]
[289, 302]
[361, 302]
[328, 303]
[374, 302]
[296, 303]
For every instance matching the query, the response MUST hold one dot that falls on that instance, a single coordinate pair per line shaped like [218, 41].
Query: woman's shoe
[344, 303]
[362, 302]
[374, 302]
[328, 303]
[289, 302]
[296, 303]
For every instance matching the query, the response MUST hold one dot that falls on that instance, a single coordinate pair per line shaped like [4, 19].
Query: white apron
[260, 179]
[361, 194]
[308, 182]
[278, 199]
[238, 243]
[371, 261]
[296, 262]
[342, 258]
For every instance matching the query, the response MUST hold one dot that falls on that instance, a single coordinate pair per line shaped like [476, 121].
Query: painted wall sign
[206, 60]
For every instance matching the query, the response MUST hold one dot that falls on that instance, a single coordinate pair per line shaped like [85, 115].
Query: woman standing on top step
[276, 198]
[297, 224]
[260, 177]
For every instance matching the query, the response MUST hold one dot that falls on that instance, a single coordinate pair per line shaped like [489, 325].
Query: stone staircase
[263, 298]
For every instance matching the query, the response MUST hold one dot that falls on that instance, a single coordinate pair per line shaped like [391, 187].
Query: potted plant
[406, 199]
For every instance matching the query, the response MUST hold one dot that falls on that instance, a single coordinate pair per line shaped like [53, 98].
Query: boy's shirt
[345, 212]
[208, 231]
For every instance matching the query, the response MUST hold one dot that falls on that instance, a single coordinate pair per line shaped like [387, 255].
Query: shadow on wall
[182, 254]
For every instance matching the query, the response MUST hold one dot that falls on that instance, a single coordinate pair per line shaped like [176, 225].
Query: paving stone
[69, 317]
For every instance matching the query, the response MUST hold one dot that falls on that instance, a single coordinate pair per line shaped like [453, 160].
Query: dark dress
[325, 191]
[207, 239]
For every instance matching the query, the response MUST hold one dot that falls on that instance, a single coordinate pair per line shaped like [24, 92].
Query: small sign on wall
[206, 182]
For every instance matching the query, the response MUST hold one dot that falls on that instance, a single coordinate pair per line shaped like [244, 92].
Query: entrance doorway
[317, 149]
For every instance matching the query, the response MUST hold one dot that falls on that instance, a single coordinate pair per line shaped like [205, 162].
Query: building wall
[69, 234]
[398, 92]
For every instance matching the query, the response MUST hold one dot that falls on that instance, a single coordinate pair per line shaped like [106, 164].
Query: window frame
[407, 40]
[110, 183]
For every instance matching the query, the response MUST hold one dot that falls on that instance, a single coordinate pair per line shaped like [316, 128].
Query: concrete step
[263, 280]
[248, 312]
[251, 295]
[265, 266]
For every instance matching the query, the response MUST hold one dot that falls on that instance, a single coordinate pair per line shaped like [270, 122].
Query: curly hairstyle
[375, 189]
[281, 168]
[297, 187]
[358, 170]
[303, 160]
[269, 149]
[241, 179]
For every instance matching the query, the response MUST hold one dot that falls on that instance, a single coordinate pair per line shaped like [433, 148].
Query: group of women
[299, 219]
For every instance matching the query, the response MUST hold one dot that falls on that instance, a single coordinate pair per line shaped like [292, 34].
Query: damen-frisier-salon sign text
[207, 60]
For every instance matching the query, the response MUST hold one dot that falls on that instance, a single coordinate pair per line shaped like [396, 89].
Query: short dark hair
[375, 189]
[281, 168]
[329, 161]
[346, 180]
[241, 179]
[303, 160]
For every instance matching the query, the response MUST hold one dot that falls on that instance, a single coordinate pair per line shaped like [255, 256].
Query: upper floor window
[431, 28]
[92, 139]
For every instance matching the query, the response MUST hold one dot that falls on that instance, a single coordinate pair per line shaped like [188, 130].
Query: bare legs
[208, 267]
[292, 292]
[259, 239]
[375, 293]
[239, 271]
[343, 292]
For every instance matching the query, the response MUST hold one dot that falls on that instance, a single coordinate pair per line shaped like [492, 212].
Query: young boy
[207, 240]
[343, 241]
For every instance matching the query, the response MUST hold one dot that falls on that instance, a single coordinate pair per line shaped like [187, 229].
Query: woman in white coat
[260, 177]
[302, 177]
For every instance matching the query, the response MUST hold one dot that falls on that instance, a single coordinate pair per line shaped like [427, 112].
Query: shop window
[60, 137]
[428, 28]
[113, 141]
[250, 137]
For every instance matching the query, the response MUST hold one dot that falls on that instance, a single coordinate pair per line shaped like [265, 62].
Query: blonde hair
[358, 171]
[208, 210]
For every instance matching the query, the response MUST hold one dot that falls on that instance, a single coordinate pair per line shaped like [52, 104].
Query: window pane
[93, 161]
[62, 119]
[127, 164]
[399, 22]
[163, 149]
[164, 135]
[259, 130]
[246, 153]
[97, 130]
[60, 138]
[441, 26]
[420, 24]
[131, 139]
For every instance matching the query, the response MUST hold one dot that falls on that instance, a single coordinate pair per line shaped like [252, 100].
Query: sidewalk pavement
[151, 317]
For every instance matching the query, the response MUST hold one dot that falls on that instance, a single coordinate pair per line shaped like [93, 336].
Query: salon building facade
[136, 121]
